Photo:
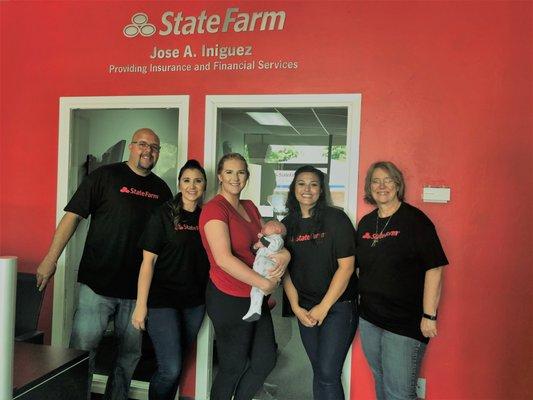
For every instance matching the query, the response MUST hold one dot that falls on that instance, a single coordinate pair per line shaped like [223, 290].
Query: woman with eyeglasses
[229, 228]
[171, 287]
[400, 261]
[320, 282]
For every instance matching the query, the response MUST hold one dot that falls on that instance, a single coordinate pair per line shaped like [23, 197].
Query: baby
[271, 242]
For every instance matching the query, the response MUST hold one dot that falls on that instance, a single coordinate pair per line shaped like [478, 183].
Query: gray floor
[292, 378]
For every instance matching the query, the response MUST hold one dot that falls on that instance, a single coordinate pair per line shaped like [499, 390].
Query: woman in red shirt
[229, 228]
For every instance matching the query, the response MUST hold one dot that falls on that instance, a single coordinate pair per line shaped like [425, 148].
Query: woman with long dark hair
[320, 282]
[229, 227]
[172, 279]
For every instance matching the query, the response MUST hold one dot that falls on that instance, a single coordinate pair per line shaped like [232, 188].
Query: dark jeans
[172, 332]
[246, 350]
[327, 345]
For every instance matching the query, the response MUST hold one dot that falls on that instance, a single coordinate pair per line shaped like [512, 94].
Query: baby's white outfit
[261, 264]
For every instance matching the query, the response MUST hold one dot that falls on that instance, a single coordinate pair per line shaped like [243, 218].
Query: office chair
[28, 309]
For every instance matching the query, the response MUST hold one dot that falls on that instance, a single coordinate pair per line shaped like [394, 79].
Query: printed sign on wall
[193, 56]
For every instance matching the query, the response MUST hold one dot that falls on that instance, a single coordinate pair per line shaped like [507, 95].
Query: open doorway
[94, 131]
[277, 134]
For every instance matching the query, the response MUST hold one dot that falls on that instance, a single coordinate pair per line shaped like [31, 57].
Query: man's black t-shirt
[392, 273]
[182, 268]
[119, 202]
[314, 256]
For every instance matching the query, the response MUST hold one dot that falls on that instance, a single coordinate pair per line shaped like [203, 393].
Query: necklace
[376, 240]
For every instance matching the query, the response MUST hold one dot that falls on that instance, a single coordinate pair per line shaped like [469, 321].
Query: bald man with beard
[119, 198]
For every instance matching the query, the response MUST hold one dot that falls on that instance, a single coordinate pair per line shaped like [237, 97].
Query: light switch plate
[436, 194]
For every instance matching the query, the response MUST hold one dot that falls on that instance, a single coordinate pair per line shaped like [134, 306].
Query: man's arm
[66, 228]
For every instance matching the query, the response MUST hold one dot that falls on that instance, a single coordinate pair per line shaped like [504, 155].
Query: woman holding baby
[229, 228]
[320, 282]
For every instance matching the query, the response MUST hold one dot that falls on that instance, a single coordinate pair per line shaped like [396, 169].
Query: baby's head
[274, 227]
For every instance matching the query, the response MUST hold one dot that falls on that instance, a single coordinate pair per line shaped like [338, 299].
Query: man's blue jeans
[172, 332]
[90, 322]
[327, 345]
[394, 359]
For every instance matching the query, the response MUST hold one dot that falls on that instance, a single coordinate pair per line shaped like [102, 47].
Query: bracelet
[431, 317]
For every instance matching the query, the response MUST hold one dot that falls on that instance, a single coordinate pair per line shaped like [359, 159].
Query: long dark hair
[293, 206]
[176, 204]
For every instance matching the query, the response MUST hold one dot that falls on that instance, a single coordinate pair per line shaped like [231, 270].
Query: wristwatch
[431, 317]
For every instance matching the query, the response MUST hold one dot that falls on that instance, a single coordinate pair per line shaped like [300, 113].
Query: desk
[49, 373]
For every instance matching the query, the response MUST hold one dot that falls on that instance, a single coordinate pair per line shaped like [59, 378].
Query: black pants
[246, 350]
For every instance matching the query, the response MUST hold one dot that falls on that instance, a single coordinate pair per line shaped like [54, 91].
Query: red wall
[447, 95]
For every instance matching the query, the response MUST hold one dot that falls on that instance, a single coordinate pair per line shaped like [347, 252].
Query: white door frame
[353, 103]
[61, 302]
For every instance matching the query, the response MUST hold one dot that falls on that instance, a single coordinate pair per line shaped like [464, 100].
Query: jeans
[90, 322]
[327, 345]
[246, 351]
[394, 360]
[172, 332]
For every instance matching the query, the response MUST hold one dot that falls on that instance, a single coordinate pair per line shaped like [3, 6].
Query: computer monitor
[112, 155]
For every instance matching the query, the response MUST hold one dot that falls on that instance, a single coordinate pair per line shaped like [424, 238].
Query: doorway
[94, 131]
[277, 134]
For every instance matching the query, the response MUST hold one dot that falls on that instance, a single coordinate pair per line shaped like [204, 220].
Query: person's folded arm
[218, 238]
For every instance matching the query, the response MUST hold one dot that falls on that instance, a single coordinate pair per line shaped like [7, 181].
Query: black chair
[28, 309]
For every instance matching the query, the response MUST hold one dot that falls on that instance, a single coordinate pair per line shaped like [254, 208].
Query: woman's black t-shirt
[392, 273]
[314, 255]
[181, 269]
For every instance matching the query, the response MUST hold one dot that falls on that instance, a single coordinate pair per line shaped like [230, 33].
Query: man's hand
[47, 268]
[45, 271]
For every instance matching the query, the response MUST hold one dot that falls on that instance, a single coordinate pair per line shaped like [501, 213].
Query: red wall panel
[447, 94]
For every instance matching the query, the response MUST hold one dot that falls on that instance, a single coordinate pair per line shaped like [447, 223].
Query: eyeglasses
[385, 181]
[144, 146]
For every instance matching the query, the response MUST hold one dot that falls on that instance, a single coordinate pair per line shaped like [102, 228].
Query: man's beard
[148, 168]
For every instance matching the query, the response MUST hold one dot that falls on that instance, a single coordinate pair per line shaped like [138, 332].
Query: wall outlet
[421, 388]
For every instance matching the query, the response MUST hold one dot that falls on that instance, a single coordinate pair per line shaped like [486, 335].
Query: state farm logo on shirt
[138, 192]
[308, 236]
[378, 236]
[185, 227]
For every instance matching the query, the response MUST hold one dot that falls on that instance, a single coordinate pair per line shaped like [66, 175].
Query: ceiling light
[269, 118]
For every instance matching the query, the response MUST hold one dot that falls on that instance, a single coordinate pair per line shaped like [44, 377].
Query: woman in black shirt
[400, 262]
[320, 283]
[172, 280]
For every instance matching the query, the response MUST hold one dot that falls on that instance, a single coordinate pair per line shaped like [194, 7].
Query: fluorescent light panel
[269, 118]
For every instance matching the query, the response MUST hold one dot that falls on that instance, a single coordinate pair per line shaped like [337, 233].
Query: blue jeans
[90, 322]
[394, 359]
[172, 332]
[327, 345]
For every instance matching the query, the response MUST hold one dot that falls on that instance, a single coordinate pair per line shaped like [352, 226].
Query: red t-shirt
[243, 235]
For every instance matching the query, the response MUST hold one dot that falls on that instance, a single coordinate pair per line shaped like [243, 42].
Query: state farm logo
[178, 23]
[139, 25]
[138, 192]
